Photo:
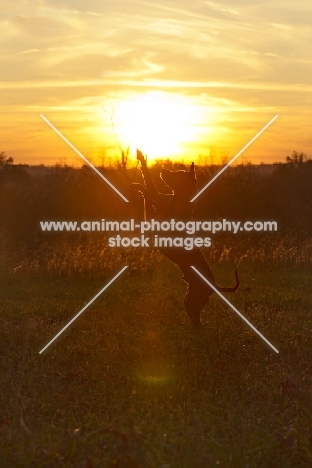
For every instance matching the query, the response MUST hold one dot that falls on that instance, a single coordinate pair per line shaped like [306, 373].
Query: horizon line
[153, 162]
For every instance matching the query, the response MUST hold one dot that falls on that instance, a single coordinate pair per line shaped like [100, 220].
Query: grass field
[131, 384]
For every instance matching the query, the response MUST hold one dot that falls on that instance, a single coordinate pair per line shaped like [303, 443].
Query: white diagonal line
[82, 310]
[84, 158]
[233, 159]
[235, 310]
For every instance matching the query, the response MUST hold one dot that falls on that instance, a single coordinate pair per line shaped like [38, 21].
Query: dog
[177, 205]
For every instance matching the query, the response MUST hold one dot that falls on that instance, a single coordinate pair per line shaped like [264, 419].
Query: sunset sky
[177, 78]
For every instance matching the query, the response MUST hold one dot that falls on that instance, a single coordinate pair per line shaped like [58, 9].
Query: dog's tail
[231, 289]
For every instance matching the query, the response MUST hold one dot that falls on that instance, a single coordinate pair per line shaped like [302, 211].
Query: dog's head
[182, 182]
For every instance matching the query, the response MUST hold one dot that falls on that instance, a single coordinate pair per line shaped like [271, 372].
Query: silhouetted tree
[5, 160]
[296, 158]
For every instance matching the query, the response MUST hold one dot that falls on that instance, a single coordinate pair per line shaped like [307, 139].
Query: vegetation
[5, 160]
[130, 384]
[243, 192]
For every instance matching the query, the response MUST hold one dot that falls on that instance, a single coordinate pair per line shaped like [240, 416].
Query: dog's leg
[195, 299]
[153, 198]
[149, 210]
[148, 181]
[198, 292]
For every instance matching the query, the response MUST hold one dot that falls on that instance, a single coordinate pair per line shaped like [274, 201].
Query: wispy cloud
[245, 56]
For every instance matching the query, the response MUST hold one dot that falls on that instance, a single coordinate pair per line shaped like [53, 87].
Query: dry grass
[130, 384]
[73, 256]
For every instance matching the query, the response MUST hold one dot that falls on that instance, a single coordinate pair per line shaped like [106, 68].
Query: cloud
[43, 27]
[247, 55]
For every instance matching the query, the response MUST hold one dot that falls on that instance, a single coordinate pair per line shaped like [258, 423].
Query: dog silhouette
[177, 205]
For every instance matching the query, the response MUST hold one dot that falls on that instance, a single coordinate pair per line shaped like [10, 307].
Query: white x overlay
[233, 159]
[84, 308]
[125, 199]
[235, 310]
[84, 158]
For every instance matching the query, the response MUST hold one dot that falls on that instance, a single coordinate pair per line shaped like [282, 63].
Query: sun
[159, 123]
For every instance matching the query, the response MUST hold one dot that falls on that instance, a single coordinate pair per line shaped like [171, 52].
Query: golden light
[154, 372]
[158, 123]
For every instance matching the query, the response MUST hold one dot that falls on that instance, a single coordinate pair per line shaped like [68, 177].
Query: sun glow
[158, 123]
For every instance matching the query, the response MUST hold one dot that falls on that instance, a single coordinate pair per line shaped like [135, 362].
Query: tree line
[243, 192]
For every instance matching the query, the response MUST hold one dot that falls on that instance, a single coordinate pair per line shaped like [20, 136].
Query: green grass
[131, 384]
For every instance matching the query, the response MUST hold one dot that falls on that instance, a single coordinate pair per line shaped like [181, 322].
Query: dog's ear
[192, 170]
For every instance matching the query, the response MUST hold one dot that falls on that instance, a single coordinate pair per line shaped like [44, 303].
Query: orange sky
[179, 78]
